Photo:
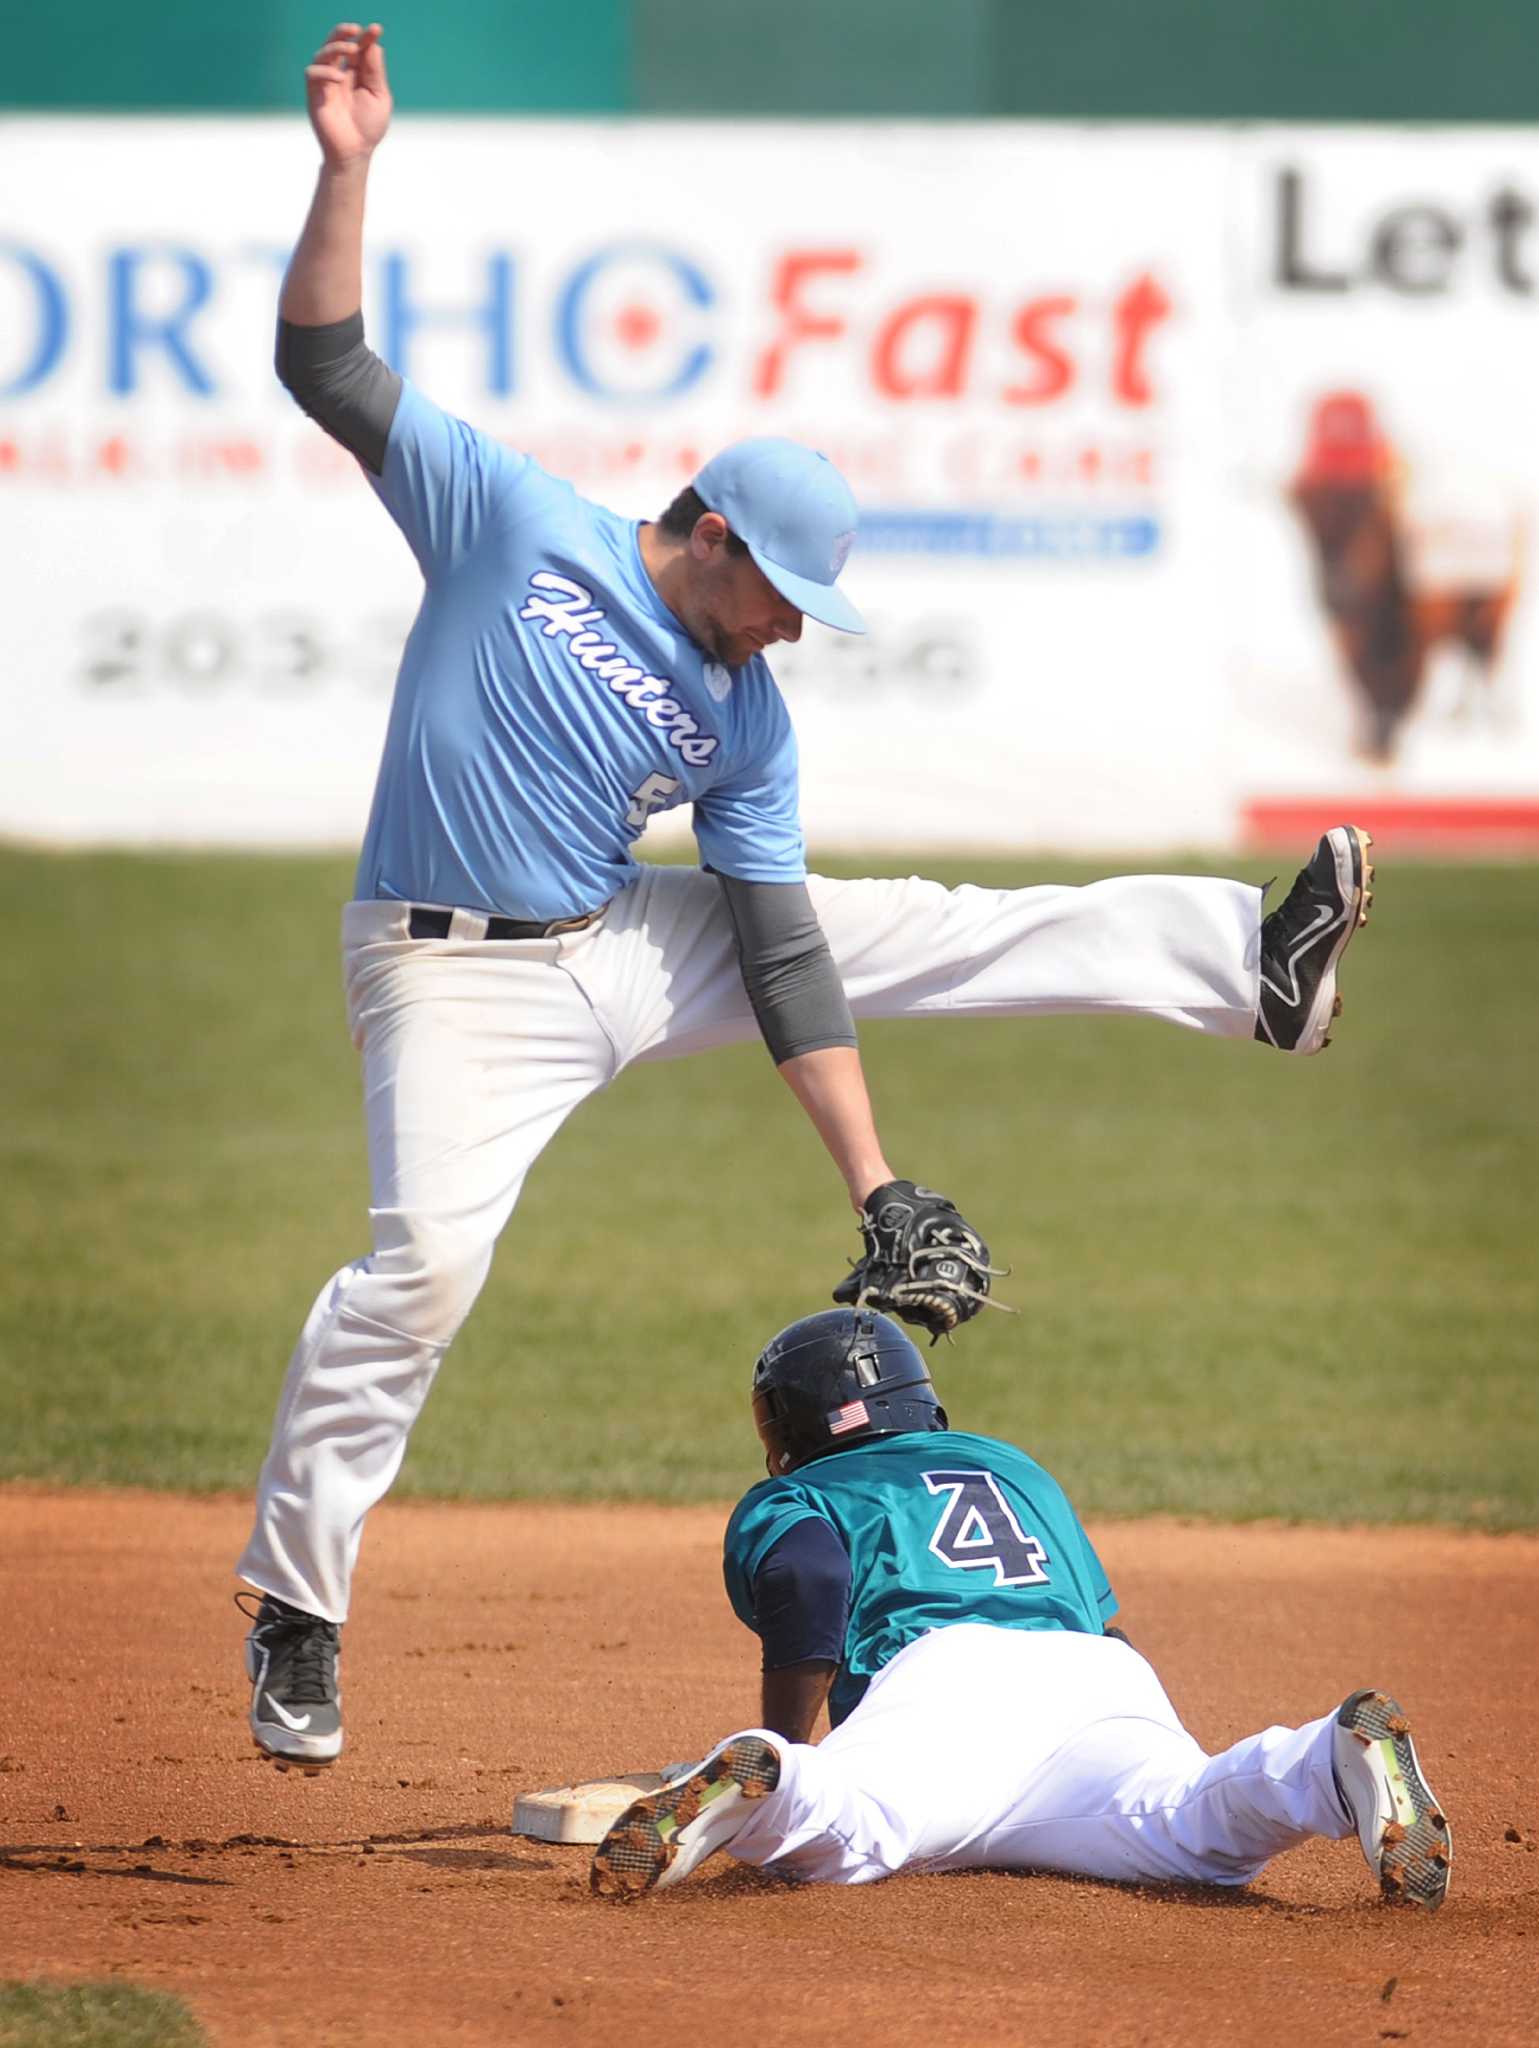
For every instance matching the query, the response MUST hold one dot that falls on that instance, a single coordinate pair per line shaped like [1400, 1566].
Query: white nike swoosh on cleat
[294, 1721]
[1325, 917]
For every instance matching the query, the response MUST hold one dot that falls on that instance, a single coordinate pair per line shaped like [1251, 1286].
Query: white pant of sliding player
[474, 1054]
[1035, 1750]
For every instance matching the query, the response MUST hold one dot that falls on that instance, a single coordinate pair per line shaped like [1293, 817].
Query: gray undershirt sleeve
[787, 968]
[336, 378]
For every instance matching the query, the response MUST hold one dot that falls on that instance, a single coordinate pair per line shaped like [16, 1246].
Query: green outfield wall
[1375, 60]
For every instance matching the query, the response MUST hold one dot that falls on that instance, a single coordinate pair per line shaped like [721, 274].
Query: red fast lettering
[938, 330]
[798, 322]
[926, 347]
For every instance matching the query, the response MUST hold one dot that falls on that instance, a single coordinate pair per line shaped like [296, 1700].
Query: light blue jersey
[940, 1528]
[548, 701]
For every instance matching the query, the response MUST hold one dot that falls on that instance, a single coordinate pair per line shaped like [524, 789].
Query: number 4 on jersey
[978, 1529]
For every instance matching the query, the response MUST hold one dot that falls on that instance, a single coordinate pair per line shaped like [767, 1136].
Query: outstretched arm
[322, 359]
[923, 1261]
[830, 1085]
[349, 103]
[796, 995]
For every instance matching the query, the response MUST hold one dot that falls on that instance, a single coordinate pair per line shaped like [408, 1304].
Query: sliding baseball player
[937, 1591]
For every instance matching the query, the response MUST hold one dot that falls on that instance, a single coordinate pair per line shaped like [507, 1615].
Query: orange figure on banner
[1399, 569]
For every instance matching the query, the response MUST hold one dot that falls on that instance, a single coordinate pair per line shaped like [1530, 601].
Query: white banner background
[1075, 336]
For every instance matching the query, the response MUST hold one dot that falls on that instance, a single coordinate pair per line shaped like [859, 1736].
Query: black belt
[434, 924]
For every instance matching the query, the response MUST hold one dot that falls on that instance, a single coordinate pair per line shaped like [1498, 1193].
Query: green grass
[93, 2016]
[1248, 1285]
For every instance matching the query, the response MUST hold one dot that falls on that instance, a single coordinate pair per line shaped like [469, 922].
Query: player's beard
[732, 650]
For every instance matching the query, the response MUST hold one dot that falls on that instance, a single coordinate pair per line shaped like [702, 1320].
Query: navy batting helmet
[836, 1379]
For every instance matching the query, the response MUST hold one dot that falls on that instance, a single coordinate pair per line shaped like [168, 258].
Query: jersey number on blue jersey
[650, 797]
[978, 1530]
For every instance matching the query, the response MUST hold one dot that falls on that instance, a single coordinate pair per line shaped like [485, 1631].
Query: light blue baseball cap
[797, 516]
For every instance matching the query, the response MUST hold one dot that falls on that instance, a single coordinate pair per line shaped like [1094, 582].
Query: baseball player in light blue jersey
[548, 690]
[569, 674]
[938, 1591]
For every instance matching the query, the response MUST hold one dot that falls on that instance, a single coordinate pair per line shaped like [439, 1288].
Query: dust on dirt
[494, 1649]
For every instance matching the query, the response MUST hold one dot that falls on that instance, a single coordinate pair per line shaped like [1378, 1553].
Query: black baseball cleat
[1400, 1824]
[1304, 938]
[291, 1660]
[661, 1838]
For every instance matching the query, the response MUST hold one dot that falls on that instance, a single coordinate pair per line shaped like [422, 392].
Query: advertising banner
[1008, 341]
[1384, 416]
[1192, 461]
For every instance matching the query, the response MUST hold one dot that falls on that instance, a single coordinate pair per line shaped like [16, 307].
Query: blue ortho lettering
[52, 320]
[401, 319]
[130, 328]
[572, 305]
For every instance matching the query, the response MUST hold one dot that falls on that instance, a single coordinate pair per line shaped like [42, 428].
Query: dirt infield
[499, 1648]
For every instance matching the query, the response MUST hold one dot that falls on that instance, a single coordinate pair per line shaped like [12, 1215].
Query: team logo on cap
[842, 544]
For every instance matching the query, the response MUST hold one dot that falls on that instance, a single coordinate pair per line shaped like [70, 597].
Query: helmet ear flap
[941, 1421]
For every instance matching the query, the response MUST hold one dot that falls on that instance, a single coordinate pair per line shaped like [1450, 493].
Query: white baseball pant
[475, 1052]
[1016, 1749]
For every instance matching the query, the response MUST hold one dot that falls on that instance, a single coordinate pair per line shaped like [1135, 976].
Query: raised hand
[348, 93]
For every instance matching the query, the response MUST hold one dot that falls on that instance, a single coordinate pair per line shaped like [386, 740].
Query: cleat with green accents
[1401, 1825]
[661, 1838]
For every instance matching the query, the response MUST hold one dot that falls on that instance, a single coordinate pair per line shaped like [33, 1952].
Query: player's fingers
[343, 37]
[324, 74]
[337, 52]
[370, 61]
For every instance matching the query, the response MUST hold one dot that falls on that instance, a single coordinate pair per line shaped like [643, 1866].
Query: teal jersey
[941, 1527]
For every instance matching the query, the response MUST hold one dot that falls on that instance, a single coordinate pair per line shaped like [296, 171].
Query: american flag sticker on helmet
[852, 1416]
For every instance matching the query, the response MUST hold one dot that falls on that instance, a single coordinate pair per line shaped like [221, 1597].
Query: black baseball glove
[923, 1262]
